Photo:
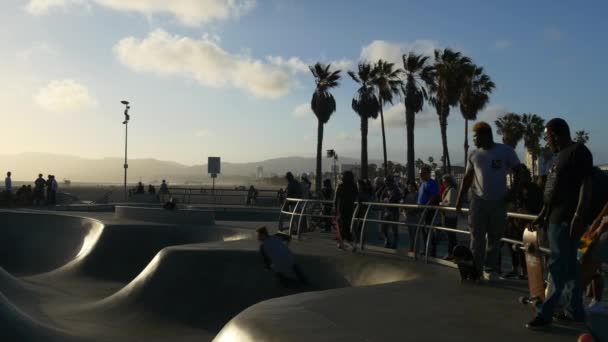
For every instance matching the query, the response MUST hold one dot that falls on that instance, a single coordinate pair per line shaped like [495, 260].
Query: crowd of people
[43, 193]
[562, 203]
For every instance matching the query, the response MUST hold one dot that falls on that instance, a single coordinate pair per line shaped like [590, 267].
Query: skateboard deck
[534, 265]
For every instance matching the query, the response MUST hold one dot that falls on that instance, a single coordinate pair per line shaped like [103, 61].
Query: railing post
[292, 215]
[281, 215]
[352, 222]
[429, 236]
[418, 228]
[361, 238]
[300, 221]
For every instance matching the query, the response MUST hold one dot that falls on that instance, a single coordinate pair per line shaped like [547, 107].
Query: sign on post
[213, 165]
[213, 168]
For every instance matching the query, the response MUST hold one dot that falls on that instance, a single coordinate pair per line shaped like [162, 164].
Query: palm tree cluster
[514, 127]
[445, 80]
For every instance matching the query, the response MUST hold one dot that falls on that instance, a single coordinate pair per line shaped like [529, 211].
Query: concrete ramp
[37, 242]
[206, 285]
[16, 325]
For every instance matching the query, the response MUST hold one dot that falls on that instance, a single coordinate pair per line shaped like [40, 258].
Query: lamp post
[126, 123]
[334, 155]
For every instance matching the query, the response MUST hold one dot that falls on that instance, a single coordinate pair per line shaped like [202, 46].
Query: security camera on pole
[126, 123]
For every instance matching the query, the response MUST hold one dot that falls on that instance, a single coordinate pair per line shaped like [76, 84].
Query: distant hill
[26, 166]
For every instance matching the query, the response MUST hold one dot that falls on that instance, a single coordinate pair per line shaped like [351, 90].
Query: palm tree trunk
[383, 138]
[319, 171]
[410, 116]
[364, 129]
[443, 122]
[466, 143]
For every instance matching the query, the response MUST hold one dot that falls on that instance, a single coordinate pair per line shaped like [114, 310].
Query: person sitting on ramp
[278, 257]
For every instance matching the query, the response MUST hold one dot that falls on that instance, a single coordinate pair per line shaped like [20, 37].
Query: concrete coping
[160, 215]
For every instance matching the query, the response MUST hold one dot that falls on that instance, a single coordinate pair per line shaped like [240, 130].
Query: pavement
[92, 277]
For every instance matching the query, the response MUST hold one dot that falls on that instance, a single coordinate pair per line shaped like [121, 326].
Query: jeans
[564, 270]
[487, 218]
[428, 220]
[390, 216]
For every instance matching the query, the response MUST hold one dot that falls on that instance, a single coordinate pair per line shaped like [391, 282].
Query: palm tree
[474, 97]
[581, 137]
[511, 128]
[387, 83]
[445, 86]
[416, 69]
[366, 104]
[534, 127]
[323, 105]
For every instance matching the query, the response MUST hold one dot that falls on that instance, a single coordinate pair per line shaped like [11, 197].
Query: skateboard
[463, 258]
[534, 265]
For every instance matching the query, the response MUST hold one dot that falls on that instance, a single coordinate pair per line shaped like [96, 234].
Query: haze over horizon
[225, 78]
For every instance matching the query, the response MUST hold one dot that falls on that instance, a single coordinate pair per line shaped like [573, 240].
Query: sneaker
[595, 307]
[566, 318]
[510, 275]
[538, 323]
[490, 276]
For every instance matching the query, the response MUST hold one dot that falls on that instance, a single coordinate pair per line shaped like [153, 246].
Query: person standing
[346, 195]
[450, 218]
[327, 193]
[567, 198]
[293, 190]
[163, 191]
[391, 195]
[428, 194]
[411, 215]
[39, 185]
[51, 187]
[487, 171]
[8, 189]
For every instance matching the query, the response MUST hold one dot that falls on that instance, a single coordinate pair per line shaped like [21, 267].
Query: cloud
[552, 34]
[188, 12]
[492, 112]
[41, 7]
[204, 61]
[502, 44]
[41, 49]
[392, 52]
[394, 117]
[302, 111]
[63, 96]
[294, 63]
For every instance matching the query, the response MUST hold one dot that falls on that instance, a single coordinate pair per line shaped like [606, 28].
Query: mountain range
[26, 166]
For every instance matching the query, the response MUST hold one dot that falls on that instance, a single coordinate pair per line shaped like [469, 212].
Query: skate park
[143, 274]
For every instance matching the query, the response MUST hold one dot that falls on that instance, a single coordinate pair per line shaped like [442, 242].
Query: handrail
[419, 226]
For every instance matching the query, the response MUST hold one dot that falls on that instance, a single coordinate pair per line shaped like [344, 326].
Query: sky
[230, 78]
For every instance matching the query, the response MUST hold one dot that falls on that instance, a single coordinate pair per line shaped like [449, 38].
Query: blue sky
[229, 78]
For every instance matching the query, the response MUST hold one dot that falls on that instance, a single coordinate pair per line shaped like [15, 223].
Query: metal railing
[294, 207]
[222, 196]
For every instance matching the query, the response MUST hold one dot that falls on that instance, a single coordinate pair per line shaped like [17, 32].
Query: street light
[334, 155]
[126, 123]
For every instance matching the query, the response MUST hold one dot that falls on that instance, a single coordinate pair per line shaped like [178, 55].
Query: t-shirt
[8, 184]
[491, 167]
[294, 189]
[572, 165]
[428, 189]
[280, 257]
[39, 184]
